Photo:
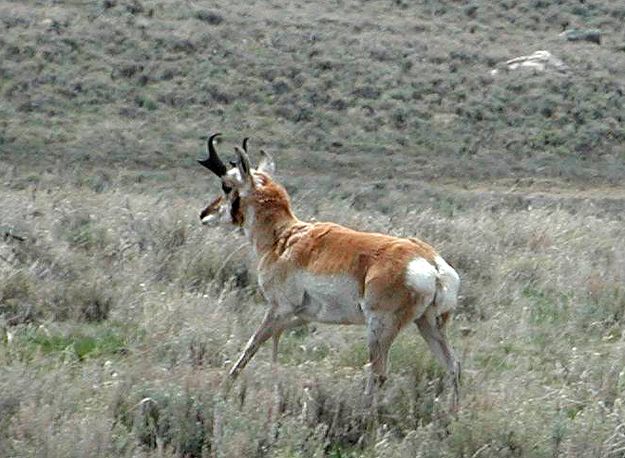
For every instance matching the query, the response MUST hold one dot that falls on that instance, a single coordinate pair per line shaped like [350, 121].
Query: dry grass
[541, 342]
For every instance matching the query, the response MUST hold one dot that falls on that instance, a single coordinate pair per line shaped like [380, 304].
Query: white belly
[329, 298]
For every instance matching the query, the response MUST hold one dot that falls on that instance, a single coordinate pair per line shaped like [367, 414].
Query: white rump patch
[437, 284]
[447, 294]
[421, 276]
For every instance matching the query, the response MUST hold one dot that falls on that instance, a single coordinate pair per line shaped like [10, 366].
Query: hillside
[133, 83]
[120, 314]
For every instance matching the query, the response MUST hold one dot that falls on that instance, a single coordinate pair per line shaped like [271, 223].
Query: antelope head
[237, 183]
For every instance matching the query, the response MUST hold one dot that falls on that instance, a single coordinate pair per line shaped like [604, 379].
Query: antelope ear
[267, 164]
[243, 164]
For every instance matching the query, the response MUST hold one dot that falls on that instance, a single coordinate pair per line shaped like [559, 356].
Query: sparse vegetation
[119, 314]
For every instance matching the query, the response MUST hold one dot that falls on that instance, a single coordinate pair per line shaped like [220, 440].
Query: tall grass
[119, 347]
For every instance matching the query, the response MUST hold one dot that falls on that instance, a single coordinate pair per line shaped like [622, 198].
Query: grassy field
[120, 314]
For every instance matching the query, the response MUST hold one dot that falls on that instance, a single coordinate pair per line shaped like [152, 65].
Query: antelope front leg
[271, 325]
[294, 323]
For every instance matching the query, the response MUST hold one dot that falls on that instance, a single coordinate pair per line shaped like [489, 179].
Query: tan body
[327, 273]
[368, 271]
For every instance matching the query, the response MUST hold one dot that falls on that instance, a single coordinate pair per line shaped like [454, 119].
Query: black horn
[245, 140]
[212, 162]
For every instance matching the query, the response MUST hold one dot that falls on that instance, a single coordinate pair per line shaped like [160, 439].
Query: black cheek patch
[236, 213]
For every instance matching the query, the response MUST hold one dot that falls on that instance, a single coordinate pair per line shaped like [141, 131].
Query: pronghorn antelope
[323, 272]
